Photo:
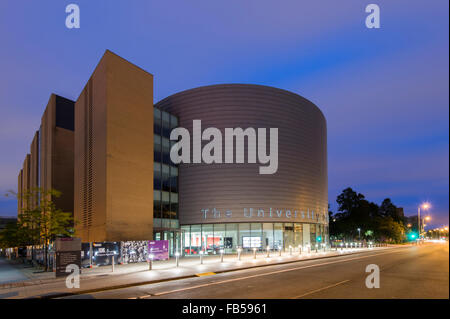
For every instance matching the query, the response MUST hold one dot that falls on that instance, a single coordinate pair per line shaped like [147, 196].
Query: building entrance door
[288, 237]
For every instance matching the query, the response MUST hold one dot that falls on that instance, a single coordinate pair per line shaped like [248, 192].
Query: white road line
[320, 289]
[267, 274]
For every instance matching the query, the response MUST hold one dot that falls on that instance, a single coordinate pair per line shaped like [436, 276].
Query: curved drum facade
[237, 193]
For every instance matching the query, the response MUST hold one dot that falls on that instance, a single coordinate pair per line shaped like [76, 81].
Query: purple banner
[159, 249]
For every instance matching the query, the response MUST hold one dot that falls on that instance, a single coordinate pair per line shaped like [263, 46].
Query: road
[405, 272]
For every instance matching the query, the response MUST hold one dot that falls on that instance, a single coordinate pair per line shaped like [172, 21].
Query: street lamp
[424, 206]
[359, 233]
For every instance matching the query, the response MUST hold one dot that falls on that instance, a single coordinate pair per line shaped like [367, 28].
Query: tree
[385, 222]
[41, 222]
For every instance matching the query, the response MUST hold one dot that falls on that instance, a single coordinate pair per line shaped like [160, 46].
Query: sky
[384, 92]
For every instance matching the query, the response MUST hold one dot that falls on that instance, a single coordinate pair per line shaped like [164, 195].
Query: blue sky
[383, 91]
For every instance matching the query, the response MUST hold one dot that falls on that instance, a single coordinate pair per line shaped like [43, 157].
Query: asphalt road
[405, 272]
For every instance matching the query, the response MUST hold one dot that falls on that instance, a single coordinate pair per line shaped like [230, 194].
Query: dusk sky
[384, 92]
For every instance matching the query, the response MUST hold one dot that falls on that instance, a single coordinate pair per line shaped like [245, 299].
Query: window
[278, 235]
[157, 176]
[165, 124]
[219, 234]
[268, 235]
[156, 205]
[231, 238]
[157, 148]
[196, 239]
[244, 231]
[165, 200]
[157, 121]
[165, 176]
[166, 151]
[174, 179]
[208, 239]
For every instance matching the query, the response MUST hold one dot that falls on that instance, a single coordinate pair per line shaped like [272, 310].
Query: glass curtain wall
[211, 238]
[165, 180]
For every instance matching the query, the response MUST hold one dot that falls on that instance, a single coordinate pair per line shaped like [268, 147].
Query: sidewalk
[138, 274]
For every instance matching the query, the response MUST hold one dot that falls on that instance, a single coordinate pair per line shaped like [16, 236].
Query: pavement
[10, 273]
[44, 285]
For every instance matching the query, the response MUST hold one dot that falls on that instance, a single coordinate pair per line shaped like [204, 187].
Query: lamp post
[419, 224]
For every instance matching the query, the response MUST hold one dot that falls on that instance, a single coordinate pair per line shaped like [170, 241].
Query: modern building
[49, 165]
[127, 188]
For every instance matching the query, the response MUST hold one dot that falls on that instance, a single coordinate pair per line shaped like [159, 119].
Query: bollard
[316, 248]
[112, 263]
[268, 251]
[150, 261]
[239, 253]
[254, 253]
[221, 255]
[177, 254]
[279, 251]
[290, 250]
[201, 257]
[300, 250]
[309, 249]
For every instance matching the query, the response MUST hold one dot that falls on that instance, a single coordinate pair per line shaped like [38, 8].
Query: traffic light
[319, 239]
[412, 236]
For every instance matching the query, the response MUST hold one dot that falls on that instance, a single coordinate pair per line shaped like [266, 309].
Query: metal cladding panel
[299, 186]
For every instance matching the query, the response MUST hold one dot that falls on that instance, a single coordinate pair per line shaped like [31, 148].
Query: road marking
[266, 274]
[205, 274]
[320, 289]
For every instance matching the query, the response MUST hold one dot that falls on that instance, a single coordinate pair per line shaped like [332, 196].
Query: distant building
[49, 165]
